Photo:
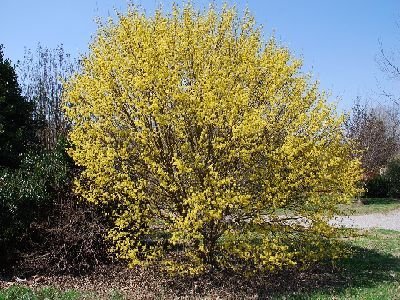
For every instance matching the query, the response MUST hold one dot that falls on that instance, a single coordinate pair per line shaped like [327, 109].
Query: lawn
[46, 293]
[370, 205]
[373, 272]
[18, 292]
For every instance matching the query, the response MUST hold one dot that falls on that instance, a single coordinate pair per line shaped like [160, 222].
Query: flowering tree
[209, 143]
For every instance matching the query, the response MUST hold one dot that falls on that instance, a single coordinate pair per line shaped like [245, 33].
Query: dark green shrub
[392, 176]
[26, 193]
[377, 187]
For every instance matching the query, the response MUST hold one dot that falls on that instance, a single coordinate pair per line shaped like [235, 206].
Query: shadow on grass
[365, 269]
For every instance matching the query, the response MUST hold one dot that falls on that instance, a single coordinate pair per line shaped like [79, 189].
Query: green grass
[362, 206]
[370, 206]
[373, 272]
[17, 292]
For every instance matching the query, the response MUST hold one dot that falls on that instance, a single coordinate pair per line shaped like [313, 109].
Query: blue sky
[338, 40]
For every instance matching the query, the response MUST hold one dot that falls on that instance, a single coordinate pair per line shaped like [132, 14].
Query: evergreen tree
[16, 124]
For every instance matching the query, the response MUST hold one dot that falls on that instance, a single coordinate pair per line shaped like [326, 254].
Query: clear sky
[337, 39]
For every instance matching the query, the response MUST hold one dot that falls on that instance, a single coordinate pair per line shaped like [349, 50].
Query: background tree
[392, 177]
[39, 213]
[201, 136]
[389, 63]
[376, 132]
[17, 128]
[17, 133]
[41, 76]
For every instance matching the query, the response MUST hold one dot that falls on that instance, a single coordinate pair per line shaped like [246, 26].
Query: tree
[388, 62]
[17, 129]
[200, 136]
[376, 132]
[17, 132]
[41, 74]
[392, 175]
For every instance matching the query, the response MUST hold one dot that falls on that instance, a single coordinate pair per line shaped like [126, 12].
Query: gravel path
[390, 220]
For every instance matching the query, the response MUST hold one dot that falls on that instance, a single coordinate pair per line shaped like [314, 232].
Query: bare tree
[388, 61]
[41, 74]
[376, 132]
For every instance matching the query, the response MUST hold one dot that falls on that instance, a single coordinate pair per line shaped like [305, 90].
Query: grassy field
[373, 272]
[369, 206]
